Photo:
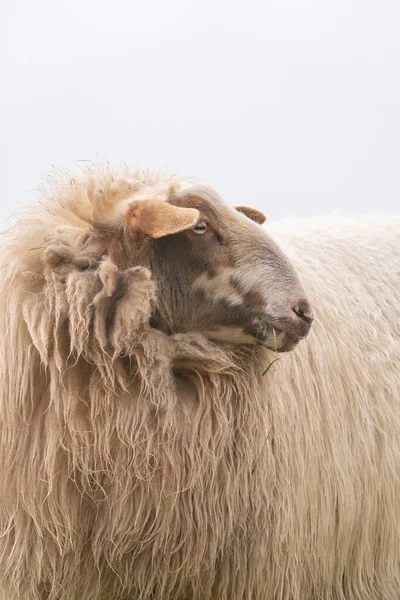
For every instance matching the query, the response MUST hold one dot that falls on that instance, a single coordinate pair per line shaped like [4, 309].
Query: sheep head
[216, 270]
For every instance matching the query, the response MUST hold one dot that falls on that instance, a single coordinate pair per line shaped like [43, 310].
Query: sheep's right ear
[158, 218]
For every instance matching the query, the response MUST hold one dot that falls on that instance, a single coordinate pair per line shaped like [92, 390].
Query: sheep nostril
[304, 311]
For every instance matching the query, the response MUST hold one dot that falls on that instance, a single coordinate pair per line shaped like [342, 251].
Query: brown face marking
[250, 298]
[217, 233]
[255, 300]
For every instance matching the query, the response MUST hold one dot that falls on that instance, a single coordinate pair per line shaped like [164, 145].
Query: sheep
[143, 454]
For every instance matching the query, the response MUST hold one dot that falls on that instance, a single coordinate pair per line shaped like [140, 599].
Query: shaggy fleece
[140, 466]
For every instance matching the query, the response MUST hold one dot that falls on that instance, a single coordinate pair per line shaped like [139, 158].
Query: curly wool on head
[138, 464]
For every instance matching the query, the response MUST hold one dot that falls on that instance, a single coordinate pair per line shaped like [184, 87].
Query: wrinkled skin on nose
[231, 282]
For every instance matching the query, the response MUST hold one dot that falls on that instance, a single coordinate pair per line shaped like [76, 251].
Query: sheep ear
[252, 213]
[157, 219]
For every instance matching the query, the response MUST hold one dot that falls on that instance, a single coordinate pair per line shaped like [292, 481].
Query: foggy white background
[292, 106]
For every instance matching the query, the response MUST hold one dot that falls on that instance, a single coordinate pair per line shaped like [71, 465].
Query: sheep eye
[200, 228]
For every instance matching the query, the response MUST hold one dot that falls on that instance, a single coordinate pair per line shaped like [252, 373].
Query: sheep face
[218, 272]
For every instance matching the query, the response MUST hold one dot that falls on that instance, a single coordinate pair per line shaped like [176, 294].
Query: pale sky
[292, 106]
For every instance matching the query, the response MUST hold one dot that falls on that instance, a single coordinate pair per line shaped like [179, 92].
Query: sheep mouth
[283, 343]
[279, 333]
[276, 339]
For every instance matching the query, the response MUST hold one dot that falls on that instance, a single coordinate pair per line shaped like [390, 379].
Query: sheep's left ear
[252, 213]
[159, 218]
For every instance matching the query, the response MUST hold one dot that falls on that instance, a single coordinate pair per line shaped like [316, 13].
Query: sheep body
[171, 469]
